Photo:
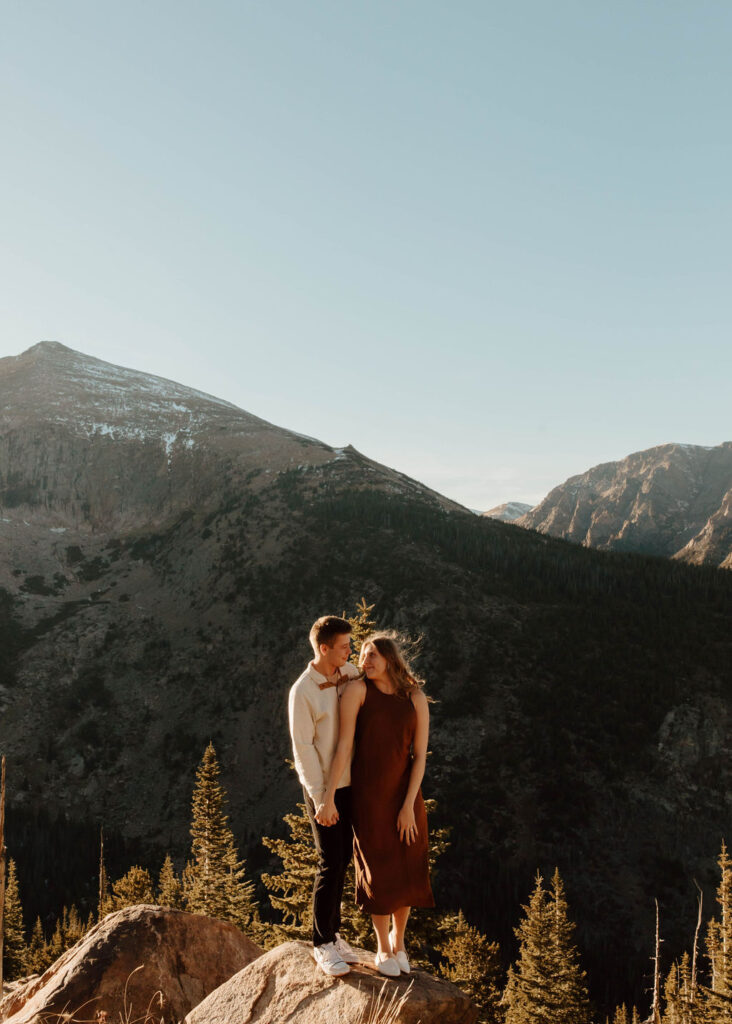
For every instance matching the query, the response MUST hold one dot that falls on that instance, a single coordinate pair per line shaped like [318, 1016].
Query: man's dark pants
[334, 844]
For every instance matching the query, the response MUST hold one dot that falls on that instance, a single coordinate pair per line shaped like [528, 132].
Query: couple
[368, 805]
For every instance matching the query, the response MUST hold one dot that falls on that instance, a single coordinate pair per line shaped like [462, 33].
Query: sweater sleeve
[302, 731]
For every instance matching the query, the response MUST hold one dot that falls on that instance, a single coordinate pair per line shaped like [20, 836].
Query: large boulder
[181, 956]
[285, 985]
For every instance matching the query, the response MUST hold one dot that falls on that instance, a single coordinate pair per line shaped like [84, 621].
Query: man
[313, 708]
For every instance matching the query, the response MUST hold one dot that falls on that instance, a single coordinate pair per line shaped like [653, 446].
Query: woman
[387, 715]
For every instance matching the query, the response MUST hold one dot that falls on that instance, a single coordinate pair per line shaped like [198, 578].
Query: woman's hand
[326, 814]
[406, 825]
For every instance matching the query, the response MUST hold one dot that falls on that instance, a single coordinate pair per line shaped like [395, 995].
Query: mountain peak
[509, 511]
[670, 500]
[52, 383]
[48, 345]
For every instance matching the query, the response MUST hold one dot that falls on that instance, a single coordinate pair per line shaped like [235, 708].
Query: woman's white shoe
[387, 965]
[399, 955]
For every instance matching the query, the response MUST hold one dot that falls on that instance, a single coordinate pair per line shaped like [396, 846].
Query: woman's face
[373, 663]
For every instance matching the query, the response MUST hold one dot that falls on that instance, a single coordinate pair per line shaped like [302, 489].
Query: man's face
[338, 654]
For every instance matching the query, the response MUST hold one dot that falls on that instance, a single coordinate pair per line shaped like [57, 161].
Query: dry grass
[384, 1008]
[151, 1015]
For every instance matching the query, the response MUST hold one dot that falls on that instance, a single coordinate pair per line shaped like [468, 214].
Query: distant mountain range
[162, 557]
[674, 500]
[509, 511]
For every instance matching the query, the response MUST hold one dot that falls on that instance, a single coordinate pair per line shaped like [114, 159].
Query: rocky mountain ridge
[674, 500]
[96, 446]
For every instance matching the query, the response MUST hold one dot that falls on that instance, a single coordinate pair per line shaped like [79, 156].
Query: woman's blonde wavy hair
[391, 646]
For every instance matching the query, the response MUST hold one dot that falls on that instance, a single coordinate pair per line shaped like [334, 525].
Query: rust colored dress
[389, 874]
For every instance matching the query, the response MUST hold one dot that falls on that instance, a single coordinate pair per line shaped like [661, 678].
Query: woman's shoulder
[419, 698]
[356, 685]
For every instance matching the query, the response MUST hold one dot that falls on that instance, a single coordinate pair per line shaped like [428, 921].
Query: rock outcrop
[673, 500]
[122, 964]
[285, 985]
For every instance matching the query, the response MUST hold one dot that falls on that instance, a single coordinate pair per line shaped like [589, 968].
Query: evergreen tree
[39, 956]
[679, 1005]
[671, 999]
[132, 889]
[72, 927]
[291, 891]
[474, 965]
[716, 1000]
[56, 945]
[569, 978]
[621, 1015]
[15, 950]
[362, 625]
[215, 882]
[547, 985]
[170, 890]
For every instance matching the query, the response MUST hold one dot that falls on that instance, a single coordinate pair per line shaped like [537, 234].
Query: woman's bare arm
[406, 823]
[351, 701]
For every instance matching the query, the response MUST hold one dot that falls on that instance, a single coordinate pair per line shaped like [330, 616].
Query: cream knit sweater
[314, 729]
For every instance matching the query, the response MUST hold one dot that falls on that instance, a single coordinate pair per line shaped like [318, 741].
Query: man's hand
[326, 813]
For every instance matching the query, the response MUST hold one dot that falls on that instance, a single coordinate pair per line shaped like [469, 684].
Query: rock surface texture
[183, 957]
[674, 500]
[285, 985]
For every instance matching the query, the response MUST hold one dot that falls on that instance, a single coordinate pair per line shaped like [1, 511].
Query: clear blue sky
[487, 243]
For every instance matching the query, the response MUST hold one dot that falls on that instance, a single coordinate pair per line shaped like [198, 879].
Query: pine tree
[170, 890]
[474, 965]
[72, 927]
[716, 1000]
[39, 957]
[56, 945]
[547, 983]
[132, 889]
[362, 625]
[621, 1015]
[686, 986]
[291, 890]
[569, 979]
[215, 881]
[672, 1002]
[679, 1003]
[15, 950]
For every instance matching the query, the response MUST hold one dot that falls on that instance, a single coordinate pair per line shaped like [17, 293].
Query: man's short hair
[325, 629]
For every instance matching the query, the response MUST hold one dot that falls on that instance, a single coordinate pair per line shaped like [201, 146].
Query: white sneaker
[386, 965]
[399, 955]
[348, 955]
[329, 960]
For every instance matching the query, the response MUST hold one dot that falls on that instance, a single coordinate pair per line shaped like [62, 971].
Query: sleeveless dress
[389, 874]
